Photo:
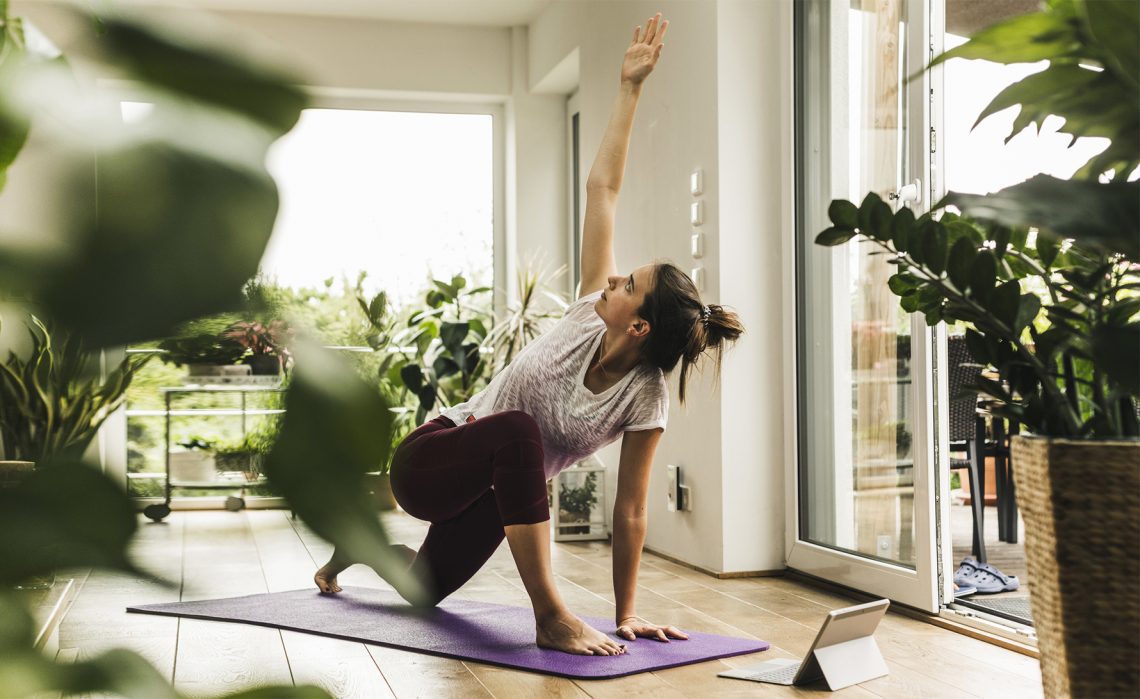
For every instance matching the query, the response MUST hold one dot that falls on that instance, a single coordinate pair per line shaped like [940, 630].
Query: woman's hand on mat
[643, 52]
[631, 627]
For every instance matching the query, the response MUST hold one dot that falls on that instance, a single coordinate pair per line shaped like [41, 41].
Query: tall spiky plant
[53, 401]
[528, 317]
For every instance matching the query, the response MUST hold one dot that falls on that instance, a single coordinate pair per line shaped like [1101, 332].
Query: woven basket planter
[1081, 504]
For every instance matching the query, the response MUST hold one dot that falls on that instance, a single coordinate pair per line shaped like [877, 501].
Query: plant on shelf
[1068, 362]
[203, 347]
[196, 444]
[266, 345]
[576, 503]
[53, 399]
[247, 454]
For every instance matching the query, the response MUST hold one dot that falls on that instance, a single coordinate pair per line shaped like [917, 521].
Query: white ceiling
[499, 13]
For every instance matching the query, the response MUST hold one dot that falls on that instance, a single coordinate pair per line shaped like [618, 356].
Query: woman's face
[621, 299]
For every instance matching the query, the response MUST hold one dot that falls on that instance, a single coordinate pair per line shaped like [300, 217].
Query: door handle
[908, 193]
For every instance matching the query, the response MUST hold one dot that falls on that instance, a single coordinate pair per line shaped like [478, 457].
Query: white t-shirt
[545, 380]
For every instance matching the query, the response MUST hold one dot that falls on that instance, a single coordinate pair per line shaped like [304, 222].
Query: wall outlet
[686, 498]
[673, 494]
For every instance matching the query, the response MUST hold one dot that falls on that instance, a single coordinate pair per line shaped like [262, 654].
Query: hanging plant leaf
[69, 515]
[843, 214]
[335, 420]
[1027, 310]
[901, 227]
[961, 260]
[834, 236]
[983, 273]
[452, 335]
[1103, 215]
[412, 377]
[1004, 302]
[444, 367]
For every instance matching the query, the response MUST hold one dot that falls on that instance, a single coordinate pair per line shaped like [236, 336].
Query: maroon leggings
[469, 481]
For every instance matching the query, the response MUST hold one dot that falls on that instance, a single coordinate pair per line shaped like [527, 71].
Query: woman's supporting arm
[606, 174]
[637, 450]
[630, 520]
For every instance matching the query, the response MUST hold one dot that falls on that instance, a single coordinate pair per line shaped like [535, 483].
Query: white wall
[755, 119]
[720, 100]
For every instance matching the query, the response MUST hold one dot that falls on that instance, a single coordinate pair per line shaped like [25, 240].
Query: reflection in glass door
[863, 498]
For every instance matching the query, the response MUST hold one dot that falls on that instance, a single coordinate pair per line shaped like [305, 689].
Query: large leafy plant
[438, 358]
[1068, 360]
[117, 258]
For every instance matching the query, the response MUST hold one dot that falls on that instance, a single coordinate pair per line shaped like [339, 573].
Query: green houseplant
[266, 345]
[526, 318]
[575, 503]
[1068, 360]
[440, 360]
[205, 348]
[52, 399]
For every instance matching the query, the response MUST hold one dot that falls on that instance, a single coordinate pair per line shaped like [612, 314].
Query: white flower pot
[191, 466]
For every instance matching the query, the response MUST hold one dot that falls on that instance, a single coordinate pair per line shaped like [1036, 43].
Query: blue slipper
[966, 568]
[990, 580]
[963, 590]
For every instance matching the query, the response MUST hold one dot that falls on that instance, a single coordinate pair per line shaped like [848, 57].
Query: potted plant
[528, 317]
[247, 454]
[576, 502]
[52, 398]
[1067, 358]
[203, 347]
[444, 365]
[194, 463]
[265, 345]
[52, 403]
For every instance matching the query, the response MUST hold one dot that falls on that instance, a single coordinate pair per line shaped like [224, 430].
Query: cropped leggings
[469, 481]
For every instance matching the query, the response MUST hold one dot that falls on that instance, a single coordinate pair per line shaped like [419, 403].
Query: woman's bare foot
[565, 632]
[325, 578]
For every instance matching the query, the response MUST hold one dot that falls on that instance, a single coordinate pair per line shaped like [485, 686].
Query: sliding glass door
[863, 489]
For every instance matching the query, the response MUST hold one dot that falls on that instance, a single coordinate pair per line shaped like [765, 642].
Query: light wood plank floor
[217, 554]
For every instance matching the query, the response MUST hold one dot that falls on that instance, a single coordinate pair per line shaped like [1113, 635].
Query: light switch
[697, 245]
[697, 182]
[697, 213]
[698, 277]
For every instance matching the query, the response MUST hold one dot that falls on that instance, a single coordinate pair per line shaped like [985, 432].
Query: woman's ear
[639, 328]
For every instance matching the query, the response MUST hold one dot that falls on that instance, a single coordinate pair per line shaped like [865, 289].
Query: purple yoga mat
[486, 633]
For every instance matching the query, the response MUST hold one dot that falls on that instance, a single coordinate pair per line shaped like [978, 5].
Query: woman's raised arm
[604, 181]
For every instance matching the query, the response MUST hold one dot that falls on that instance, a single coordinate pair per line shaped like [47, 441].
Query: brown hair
[680, 328]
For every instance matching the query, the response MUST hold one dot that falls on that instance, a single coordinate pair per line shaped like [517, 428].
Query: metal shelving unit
[158, 512]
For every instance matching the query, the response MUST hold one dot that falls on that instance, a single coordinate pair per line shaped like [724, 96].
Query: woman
[478, 472]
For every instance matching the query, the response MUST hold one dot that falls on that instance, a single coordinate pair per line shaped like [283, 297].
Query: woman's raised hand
[643, 51]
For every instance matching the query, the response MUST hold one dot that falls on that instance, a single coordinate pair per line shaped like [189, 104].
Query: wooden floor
[219, 554]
